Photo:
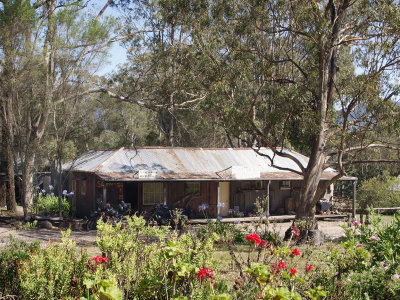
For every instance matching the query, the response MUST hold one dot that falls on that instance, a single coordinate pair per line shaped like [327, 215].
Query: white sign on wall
[242, 172]
[148, 174]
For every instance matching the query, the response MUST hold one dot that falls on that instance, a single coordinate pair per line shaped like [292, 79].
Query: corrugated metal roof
[186, 163]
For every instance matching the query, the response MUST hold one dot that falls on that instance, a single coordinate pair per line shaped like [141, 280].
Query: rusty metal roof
[170, 163]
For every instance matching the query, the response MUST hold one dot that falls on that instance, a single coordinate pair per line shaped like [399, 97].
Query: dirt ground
[87, 239]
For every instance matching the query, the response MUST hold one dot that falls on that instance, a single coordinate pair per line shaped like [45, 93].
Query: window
[284, 185]
[257, 185]
[192, 188]
[82, 187]
[153, 193]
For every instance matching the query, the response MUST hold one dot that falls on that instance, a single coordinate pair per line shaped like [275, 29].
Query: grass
[228, 270]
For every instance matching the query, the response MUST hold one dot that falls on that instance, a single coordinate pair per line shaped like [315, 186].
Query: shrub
[154, 263]
[49, 205]
[53, 272]
[11, 257]
[379, 192]
[225, 232]
[365, 265]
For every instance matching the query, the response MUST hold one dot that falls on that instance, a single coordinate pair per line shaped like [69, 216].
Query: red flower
[259, 297]
[282, 265]
[263, 243]
[293, 271]
[253, 238]
[210, 273]
[206, 272]
[309, 268]
[100, 259]
[295, 252]
[202, 273]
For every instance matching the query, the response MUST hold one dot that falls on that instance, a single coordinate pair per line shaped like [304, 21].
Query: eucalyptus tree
[16, 19]
[320, 76]
[59, 49]
[159, 76]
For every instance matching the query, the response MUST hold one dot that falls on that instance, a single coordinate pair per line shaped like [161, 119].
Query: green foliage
[12, 256]
[365, 265]
[27, 225]
[48, 273]
[49, 205]
[151, 262]
[383, 191]
[382, 240]
[142, 262]
[99, 288]
[225, 232]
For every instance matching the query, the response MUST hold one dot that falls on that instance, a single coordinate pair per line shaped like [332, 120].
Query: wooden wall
[85, 203]
[208, 194]
[245, 193]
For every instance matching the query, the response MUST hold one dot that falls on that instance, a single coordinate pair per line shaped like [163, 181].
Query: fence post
[354, 197]
[349, 220]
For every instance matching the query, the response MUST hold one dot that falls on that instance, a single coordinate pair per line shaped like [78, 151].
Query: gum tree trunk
[27, 182]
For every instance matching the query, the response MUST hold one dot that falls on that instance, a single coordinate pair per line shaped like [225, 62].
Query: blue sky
[117, 54]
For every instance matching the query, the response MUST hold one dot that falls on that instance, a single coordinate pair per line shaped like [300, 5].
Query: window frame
[284, 186]
[154, 192]
[82, 187]
[189, 187]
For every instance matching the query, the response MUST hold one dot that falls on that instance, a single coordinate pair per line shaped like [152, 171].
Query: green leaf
[111, 292]
[222, 297]
[88, 282]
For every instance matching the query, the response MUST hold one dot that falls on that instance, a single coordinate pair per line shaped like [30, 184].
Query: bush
[365, 265]
[379, 192]
[152, 262]
[225, 231]
[49, 205]
[11, 257]
[53, 272]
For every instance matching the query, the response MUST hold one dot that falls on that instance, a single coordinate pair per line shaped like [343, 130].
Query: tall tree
[59, 49]
[159, 77]
[314, 75]
[16, 17]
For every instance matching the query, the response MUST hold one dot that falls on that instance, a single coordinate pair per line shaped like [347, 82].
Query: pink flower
[253, 238]
[295, 231]
[373, 238]
[210, 273]
[309, 268]
[293, 271]
[359, 246]
[295, 252]
[357, 223]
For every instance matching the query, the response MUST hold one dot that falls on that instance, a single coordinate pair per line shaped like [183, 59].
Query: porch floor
[281, 218]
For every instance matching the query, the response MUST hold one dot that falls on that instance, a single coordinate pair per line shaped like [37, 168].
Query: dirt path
[87, 239]
[45, 236]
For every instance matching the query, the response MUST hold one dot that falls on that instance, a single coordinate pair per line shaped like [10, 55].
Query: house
[226, 179]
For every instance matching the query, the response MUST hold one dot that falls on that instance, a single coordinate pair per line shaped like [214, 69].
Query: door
[223, 198]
